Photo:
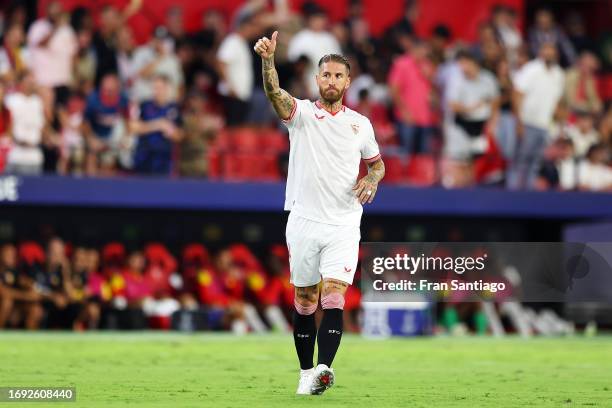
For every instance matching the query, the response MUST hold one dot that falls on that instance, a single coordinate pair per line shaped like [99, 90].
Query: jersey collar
[320, 106]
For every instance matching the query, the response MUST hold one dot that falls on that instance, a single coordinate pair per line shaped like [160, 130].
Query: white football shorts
[318, 250]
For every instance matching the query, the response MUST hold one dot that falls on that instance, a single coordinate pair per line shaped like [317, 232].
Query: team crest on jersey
[355, 128]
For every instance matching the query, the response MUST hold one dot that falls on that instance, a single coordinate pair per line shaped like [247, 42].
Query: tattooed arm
[376, 171]
[282, 102]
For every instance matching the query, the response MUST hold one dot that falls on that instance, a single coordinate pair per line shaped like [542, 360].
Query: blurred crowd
[517, 108]
[76, 287]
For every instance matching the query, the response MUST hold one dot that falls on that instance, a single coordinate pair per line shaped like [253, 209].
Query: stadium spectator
[176, 25]
[125, 58]
[488, 50]
[105, 38]
[546, 31]
[106, 113]
[14, 57]
[474, 101]
[200, 127]
[506, 124]
[558, 168]
[313, 41]
[158, 126]
[8, 282]
[403, 26]
[379, 116]
[19, 297]
[506, 28]
[235, 66]
[593, 172]
[27, 127]
[72, 149]
[299, 82]
[52, 45]
[136, 291]
[538, 90]
[577, 32]
[580, 92]
[83, 267]
[413, 95]
[439, 42]
[583, 133]
[84, 74]
[55, 286]
[156, 58]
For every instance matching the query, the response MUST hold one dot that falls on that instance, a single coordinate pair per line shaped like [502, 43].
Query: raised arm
[282, 101]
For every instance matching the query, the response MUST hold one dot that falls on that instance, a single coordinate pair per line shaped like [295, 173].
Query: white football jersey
[324, 157]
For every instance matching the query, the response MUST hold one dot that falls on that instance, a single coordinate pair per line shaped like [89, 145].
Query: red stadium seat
[273, 141]
[197, 254]
[157, 254]
[245, 140]
[250, 166]
[394, 169]
[421, 170]
[113, 252]
[214, 162]
[4, 151]
[31, 252]
[268, 167]
[223, 141]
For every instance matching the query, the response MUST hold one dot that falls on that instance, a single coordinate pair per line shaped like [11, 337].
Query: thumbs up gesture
[265, 47]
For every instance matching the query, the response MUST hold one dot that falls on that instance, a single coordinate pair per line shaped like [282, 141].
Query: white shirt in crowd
[313, 45]
[235, 52]
[582, 141]
[28, 121]
[542, 88]
[567, 174]
[52, 64]
[594, 176]
[168, 65]
[480, 91]
[324, 156]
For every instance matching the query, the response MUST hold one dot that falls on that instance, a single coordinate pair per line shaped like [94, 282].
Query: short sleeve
[522, 79]
[227, 50]
[395, 75]
[454, 89]
[296, 113]
[369, 150]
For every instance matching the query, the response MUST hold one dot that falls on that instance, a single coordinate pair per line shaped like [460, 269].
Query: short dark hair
[467, 55]
[336, 58]
[162, 77]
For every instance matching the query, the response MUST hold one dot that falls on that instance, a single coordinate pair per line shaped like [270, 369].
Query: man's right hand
[265, 47]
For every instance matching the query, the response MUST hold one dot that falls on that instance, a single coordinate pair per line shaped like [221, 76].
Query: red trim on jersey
[292, 114]
[318, 104]
[372, 159]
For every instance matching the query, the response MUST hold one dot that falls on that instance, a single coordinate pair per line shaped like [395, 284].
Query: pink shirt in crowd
[51, 64]
[414, 89]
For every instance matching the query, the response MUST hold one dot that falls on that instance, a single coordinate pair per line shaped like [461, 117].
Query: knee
[304, 307]
[332, 300]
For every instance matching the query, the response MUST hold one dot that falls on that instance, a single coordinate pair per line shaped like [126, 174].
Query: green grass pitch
[208, 370]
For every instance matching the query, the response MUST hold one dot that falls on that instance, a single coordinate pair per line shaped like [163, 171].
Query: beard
[331, 95]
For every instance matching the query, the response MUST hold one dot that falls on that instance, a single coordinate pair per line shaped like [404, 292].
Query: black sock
[330, 333]
[304, 335]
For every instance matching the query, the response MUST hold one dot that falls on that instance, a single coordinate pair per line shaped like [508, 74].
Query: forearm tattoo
[281, 101]
[376, 171]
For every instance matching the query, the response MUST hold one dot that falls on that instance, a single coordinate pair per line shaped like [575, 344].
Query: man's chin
[331, 97]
